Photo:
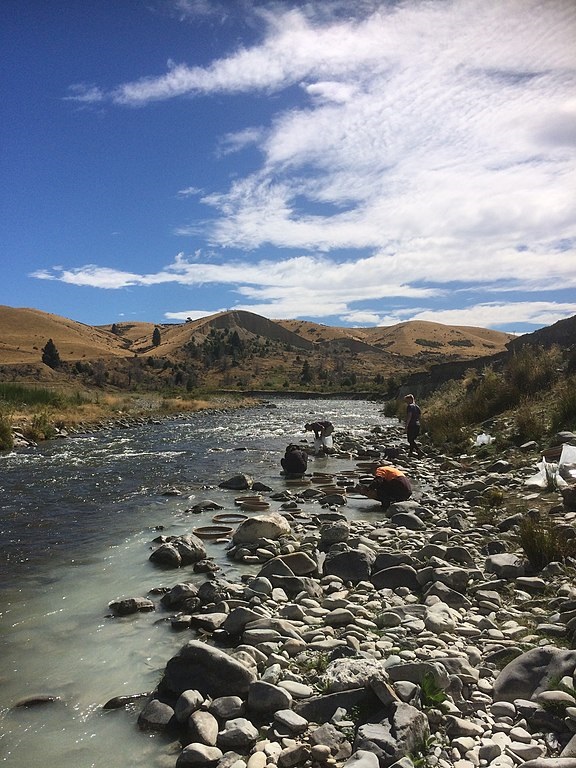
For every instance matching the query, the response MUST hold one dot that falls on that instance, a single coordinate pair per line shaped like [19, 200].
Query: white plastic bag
[328, 442]
[484, 439]
[547, 476]
[567, 462]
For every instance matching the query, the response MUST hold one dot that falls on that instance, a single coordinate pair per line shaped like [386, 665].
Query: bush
[391, 409]
[445, 426]
[564, 411]
[543, 543]
[529, 424]
[533, 369]
[19, 394]
[6, 438]
[41, 427]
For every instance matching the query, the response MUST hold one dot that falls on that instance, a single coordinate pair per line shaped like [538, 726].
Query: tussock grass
[543, 543]
[564, 411]
[18, 394]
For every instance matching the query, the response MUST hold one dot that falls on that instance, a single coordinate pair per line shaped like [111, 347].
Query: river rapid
[77, 518]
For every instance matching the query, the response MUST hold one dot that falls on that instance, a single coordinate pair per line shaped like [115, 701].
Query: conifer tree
[50, 355]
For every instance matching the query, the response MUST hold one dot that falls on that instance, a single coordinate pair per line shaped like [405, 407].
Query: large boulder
[348, 674]
[208, 670]
[268, 526]
[402, 575]
[239, 482]
[402, 733]
[297, 563]
[127, 605]
[533, 672]
[353, 565]
[181, 550]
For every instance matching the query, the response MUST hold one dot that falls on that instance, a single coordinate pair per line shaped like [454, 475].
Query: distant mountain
[234, 349]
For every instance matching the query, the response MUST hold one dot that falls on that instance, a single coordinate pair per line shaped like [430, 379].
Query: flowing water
[77, 518]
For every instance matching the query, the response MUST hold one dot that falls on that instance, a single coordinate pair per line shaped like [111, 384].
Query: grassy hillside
[26, 331]
[231, 350]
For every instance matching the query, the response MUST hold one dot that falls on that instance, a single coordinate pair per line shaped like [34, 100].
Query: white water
[78, 518]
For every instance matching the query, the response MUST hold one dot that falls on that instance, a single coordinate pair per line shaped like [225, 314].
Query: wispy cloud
[189, 192]
[433, 147]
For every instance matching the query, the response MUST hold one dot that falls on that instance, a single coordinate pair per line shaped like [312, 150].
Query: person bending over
[322, 435]
[389, 486]
[294, 461]
[321, 429]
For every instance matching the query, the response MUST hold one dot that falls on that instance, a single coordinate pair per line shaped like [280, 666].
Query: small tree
[50, 355]
[306, 375]
[156, 338]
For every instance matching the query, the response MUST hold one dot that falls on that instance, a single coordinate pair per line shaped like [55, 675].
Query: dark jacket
[295, 460]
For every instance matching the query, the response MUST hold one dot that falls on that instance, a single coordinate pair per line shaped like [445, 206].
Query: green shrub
[445, 426]
[391, 409]
[18, 394]
[6, 438]
[533, 369]
[431, 695]
[41, 427]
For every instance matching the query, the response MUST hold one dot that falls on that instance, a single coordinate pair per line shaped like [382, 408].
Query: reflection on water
[77, 519]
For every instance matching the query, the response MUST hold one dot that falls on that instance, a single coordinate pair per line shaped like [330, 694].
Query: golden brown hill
[232, 349]
[24, 333]
[411, 339]
[174, 338]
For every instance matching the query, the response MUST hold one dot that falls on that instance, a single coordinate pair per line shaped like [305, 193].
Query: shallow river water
[77, 519]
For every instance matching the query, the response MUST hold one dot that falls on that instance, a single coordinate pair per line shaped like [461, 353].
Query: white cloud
[189, 192]
[490, 315]
[191, 314]
[435, 150]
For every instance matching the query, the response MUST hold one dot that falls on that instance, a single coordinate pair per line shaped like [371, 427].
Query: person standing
[413, 414]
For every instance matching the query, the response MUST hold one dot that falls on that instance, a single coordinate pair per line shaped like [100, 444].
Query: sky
[349, 162]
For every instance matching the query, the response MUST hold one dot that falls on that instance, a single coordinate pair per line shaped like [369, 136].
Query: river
[77, 518]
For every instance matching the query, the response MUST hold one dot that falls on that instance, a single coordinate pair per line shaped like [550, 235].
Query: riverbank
[423, 635]
[338, 605]
[30, 425]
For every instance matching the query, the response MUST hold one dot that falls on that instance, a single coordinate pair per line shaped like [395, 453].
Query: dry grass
[26, 331]
[198, 355]
[41, 422]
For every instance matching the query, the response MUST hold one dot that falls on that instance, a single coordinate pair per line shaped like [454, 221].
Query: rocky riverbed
[419, 636]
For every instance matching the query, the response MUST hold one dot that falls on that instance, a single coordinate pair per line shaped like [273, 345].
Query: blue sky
[352, 163]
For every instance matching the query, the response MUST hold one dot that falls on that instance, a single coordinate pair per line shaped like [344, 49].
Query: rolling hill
[232, 349]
